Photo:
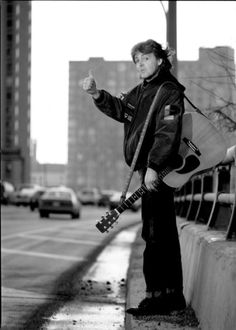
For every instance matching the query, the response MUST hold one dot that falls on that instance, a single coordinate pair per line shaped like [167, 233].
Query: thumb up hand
[89, 85]
[90, 74]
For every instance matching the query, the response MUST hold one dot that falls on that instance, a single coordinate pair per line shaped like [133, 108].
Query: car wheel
[43, 214]
[75, 215]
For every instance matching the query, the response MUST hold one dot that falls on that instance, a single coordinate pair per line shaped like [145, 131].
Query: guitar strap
[197, 110]
[142, 135]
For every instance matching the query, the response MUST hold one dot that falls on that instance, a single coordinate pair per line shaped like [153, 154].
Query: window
[17, 81]
[9, 8]
[9, 37]
[17, 52]
[18, 38]
[17, 24]
[17, 9]
[9, 23]
[16, 110]
[16, 125]
[9, 69]
[17, 67]
[16, 96]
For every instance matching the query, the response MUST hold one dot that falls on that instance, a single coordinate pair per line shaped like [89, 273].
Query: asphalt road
[41, 257]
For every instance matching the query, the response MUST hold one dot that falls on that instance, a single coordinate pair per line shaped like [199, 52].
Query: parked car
[34, 200]
[60, 200]
[105, 195]
[115, 201]
[89, 196]
[23, 194]
[7, 190]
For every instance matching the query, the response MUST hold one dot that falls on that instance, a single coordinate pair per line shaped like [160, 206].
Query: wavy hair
[151, 46]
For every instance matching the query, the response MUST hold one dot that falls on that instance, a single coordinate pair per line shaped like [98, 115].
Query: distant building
[15, 90]
[48, 174]
[95, 152]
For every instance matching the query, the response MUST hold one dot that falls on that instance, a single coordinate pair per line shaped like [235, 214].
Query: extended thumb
[90, 74]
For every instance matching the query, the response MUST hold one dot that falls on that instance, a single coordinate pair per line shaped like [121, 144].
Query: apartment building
[15, 90]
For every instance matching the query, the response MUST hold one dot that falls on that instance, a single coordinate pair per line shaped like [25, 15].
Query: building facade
[15, 90]
[95, 152]
[48, 175]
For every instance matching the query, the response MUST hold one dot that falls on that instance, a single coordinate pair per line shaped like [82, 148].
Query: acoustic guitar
[202, 147]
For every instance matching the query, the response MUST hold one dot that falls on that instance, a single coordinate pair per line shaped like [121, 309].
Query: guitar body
[202, 147]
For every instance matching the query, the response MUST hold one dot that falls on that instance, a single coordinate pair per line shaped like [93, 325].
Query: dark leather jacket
[162, 137]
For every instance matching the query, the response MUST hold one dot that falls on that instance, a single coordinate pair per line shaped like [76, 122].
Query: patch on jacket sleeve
[170, 111]
[129, 111]
[129, 105]
[128, 117]
[121, 96]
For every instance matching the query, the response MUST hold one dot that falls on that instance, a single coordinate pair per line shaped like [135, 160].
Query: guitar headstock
[107, 221]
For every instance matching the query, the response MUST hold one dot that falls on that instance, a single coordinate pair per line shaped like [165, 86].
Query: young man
[162, 267]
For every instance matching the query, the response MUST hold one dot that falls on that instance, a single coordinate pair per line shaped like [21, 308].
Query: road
[40, 258]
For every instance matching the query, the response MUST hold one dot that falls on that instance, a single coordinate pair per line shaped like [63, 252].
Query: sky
[64, 31]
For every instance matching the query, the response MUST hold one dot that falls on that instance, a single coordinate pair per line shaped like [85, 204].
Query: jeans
[162, 266]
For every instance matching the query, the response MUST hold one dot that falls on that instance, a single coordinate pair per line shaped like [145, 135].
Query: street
[41, 256]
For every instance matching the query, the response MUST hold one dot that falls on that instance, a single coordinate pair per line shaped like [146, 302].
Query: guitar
[201, 148]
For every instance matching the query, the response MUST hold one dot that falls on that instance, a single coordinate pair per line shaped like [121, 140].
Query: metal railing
[210, 198]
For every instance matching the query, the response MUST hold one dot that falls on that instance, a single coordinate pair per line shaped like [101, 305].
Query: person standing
[162, 268]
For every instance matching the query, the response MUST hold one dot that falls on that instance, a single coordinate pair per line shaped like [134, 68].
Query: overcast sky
[64, 31]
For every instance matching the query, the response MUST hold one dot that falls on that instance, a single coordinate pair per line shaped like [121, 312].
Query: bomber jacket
[162, 138]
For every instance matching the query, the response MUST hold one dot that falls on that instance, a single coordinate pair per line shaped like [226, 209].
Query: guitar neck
[138, 193]
[132, 199]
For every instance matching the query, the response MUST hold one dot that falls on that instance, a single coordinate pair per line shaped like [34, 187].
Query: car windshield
[27, 186]
[58, 194]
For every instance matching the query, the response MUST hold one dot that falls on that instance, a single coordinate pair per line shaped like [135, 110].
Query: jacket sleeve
[111, 106]
[167, 132]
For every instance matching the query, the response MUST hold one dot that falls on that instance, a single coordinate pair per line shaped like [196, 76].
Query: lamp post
[171, 32]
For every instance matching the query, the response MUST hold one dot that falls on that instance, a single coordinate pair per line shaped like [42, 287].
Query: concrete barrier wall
[209, 270]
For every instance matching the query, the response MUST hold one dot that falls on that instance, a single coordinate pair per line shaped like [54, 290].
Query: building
[15, 90]
[95, 153]
[48, 175]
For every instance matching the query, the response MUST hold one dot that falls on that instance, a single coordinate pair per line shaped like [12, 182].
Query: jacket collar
[159, 78]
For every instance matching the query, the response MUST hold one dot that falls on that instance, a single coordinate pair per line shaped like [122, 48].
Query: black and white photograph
[118, 165]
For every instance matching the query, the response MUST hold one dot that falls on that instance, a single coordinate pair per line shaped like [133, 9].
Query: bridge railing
[210, 198]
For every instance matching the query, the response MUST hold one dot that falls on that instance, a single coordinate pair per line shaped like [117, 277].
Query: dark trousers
[162, 266]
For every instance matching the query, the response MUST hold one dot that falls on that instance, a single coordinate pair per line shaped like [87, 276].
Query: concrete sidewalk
[184, 320]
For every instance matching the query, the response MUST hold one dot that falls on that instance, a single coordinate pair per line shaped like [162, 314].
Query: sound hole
[177, 162]
[191, 163]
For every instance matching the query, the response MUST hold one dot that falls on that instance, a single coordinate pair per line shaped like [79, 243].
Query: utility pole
[171, 33]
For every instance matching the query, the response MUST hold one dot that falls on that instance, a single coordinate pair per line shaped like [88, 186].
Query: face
[146, 64]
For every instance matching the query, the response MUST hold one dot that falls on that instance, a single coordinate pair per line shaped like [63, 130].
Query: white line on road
[29, 232]
[35, 231]
[42, 255]
[58, 239]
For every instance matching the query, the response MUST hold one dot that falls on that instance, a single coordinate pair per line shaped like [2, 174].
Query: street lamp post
[171, 32]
